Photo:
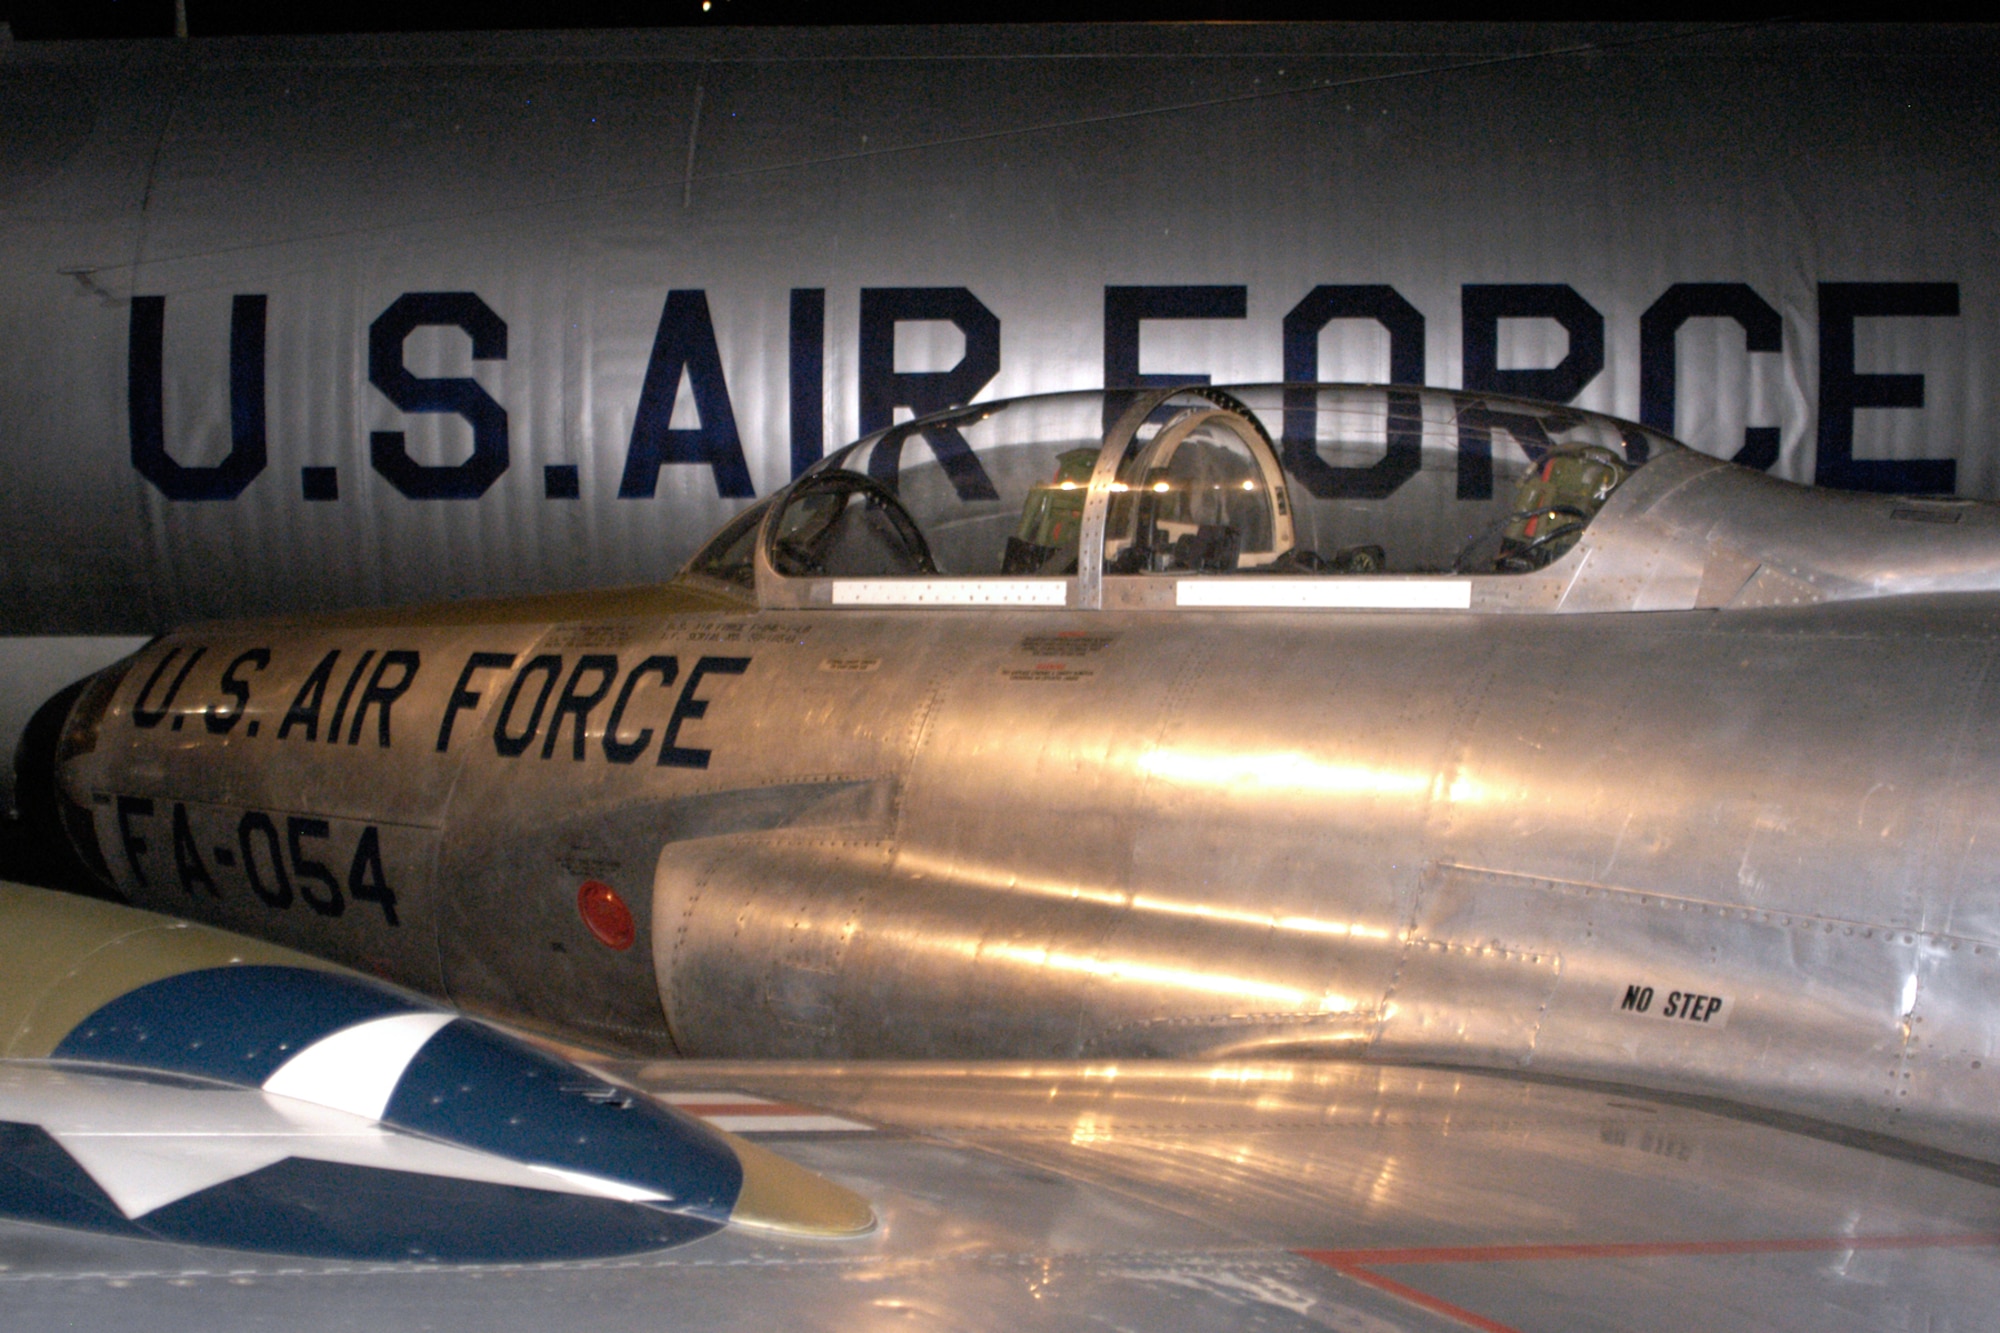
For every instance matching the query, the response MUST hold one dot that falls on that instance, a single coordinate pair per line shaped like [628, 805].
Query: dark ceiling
[49, 20]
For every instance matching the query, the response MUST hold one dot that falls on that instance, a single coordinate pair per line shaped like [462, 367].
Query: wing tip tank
[98, 988]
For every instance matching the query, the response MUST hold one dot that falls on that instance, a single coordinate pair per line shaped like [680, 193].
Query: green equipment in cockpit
[1052, 516]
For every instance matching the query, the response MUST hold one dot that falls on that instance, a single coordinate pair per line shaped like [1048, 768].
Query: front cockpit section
[1346, 495]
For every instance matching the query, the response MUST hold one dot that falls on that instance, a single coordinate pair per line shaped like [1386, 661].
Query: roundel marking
[238, 1024]
[356, 1069]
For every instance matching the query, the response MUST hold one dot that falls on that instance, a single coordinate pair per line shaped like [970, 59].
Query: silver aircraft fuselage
[1709, 804]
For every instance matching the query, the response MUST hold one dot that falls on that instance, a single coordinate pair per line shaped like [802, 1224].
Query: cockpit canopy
[1271, 480]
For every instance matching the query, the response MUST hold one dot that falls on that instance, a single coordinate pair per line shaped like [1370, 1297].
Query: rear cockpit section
[1205, 493]
[1425, 482]
[1555, 502]
[1114, 498]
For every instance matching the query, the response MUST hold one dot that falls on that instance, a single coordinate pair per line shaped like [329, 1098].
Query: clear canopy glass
[1302, 480]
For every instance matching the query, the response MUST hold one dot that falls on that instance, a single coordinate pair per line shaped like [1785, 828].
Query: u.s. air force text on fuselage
[251, 856]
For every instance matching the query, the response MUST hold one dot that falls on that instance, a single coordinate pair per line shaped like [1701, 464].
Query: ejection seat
[1052, 519]
[1205, 494]
[1555, 503]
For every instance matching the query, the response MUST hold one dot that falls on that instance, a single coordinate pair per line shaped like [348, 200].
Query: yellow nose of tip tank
[783, 1197]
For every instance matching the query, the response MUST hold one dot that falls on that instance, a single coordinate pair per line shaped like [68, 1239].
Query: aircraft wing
[1173, 1196]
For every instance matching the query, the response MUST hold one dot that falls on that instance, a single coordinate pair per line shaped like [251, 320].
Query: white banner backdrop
[297, 324]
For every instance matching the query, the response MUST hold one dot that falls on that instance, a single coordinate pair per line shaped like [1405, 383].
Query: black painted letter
[1126, 307]
[380, 695]
[808, 377]
[220, 719]
[884, 388]
[130, 808]
[688, 708]
[623, 751]
[462, 698]
[144, 382]
[685, 341]
[548, 666]
[1763, 331]
[1482, 308]
[1842, 389]
[576, 703]
[1404, 455]
[387, 449]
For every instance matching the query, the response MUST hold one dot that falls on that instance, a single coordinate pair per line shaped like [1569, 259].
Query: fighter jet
[1278, 732]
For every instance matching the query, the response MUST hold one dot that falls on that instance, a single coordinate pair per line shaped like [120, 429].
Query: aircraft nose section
[60, 844]
[482, 1089]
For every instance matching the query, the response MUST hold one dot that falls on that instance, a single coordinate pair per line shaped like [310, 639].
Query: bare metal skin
[1706, 804]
